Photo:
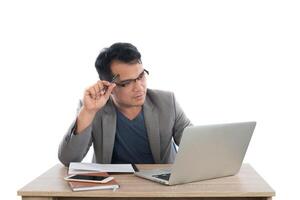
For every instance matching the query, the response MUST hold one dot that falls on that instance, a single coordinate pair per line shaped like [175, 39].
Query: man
[125, 121]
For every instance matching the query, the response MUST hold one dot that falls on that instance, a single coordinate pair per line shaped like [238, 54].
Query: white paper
[78, 167]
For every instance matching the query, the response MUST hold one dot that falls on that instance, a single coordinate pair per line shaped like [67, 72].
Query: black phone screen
[88, 177]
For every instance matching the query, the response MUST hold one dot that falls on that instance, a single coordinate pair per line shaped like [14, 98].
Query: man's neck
[131, 112]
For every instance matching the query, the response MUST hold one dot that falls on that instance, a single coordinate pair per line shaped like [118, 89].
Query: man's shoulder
[159, 93]
[160, 97]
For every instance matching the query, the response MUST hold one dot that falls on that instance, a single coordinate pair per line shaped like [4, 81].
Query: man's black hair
[123, 52]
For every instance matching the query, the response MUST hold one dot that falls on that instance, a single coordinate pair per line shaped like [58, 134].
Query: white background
[226, 61]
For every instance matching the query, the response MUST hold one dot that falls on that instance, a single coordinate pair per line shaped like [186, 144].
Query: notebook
[86, 186]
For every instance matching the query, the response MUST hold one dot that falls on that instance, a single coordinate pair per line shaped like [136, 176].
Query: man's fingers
[101, 88]
[90, 92]
[109, 90]
[97, 90]
[98, 87]
[104, 86]
[97, 93]
[106, 83]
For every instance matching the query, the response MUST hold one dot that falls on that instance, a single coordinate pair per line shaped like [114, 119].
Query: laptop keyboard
[163, 176]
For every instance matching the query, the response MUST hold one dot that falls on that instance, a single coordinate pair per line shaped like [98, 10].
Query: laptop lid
[211, 151]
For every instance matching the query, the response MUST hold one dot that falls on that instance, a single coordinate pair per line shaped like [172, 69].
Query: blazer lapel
[152, 126]
[109, 122]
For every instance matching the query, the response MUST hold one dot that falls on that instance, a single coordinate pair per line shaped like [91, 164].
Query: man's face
[133, 78]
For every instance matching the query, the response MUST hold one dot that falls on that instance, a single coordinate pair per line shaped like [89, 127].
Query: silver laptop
[206, 152]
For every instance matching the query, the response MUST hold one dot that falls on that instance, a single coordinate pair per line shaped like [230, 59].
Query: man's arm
[78, 139]
[181, 121]
[74, 147]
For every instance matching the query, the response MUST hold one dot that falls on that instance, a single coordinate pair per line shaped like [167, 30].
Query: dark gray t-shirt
[131, 141]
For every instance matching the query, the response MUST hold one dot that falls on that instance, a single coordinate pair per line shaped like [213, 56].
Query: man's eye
[124, 84]
[141, 76]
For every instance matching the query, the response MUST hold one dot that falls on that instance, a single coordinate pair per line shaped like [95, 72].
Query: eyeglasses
[128, 82]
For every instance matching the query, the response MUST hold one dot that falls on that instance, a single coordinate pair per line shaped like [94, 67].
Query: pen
[112, 81]
[114, 78]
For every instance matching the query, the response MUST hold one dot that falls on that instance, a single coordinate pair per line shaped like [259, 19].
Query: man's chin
[139, 99]
[139, 103]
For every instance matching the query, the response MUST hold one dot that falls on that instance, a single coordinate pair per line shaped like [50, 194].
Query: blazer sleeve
[74, 147]
[181, 121]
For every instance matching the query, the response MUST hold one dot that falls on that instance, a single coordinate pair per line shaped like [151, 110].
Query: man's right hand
[95, 97]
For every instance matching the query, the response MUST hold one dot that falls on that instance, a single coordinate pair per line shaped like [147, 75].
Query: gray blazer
[164, 120]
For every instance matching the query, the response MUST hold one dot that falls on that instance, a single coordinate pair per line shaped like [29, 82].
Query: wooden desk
[247, 184]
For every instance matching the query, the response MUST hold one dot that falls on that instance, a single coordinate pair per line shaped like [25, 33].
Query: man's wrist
[84, 119]
[88, 112]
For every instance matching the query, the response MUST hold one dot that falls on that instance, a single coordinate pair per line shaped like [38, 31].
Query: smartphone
[89, 178]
